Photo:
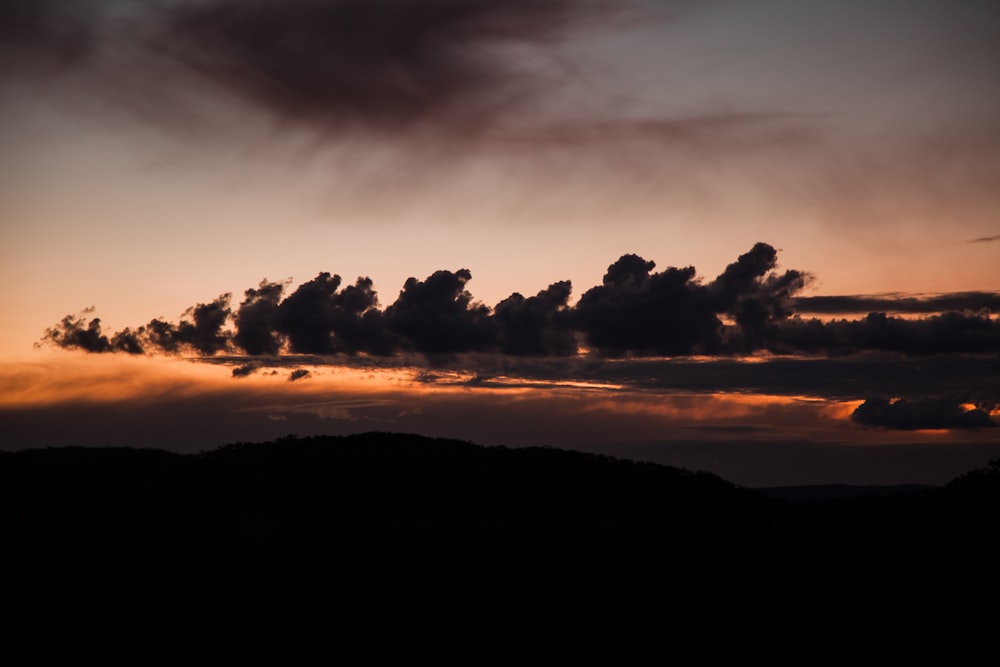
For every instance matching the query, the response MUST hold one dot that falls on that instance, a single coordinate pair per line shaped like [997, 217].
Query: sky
[759, 238]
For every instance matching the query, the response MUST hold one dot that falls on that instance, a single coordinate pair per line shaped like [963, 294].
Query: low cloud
[298, 374]
[636, 311]
[899, 303]
[944, 412]
[245, 370]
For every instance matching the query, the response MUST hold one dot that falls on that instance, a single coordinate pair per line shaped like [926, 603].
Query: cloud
[985, 239]
[634, 310]
[754, 295]
[204, 334]
[47, 34]
[537, 325]
[384, 63]
[298, 374]
[318, 319]
[672, 313]
[748, 308]
[438, 315]
[950, 332]
[74, 332]
[256, 319]
[335, 65]
[943, 412]
[899, 303]
[245, 370]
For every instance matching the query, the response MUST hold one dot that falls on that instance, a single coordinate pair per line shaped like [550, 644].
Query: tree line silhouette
[385, 541]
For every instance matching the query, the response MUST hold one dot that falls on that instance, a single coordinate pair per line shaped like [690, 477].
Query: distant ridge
[434, 546]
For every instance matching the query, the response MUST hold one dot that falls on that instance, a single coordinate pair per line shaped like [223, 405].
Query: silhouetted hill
[390, 542]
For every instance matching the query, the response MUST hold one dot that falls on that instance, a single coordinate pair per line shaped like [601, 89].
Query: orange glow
[841, 409]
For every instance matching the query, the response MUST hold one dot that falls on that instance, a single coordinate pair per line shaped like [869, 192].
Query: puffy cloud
[538, 325]
[635, 311]
[438, 316]
[256, 319]
[319, 319]
[245, 370]
[75, 332]
[204, 335]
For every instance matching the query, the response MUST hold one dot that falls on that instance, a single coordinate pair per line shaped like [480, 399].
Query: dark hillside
[392, 541]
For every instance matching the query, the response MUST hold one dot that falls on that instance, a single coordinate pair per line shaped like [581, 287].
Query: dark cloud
[204, 334]
[298, 374]
[384, 63]
[899, 303]
[753, 295]
[538, 325]
[46, 33]
[438, 316]
[748, 308]
[636, 311]
[75, 332]
[245, 370]
[673, 313]
[950, 332]
[841, 378]
[319, 319]
[256, 320]
[469, 70]
[943, 412]
[985, 239]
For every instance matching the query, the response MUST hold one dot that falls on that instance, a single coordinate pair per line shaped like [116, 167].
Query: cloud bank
[941, 412]
[335, 65]
[635, 312]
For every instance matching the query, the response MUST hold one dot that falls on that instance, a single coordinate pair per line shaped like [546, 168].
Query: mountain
[382, 542]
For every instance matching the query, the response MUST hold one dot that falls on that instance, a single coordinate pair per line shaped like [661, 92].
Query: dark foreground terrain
[394, 543]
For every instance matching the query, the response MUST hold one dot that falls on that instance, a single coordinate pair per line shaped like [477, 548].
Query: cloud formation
[46, 34]
[539, 325]
[939, 412]
[438, 315]
[899, 303]
[950, 332]
[335, 65]
[75, 332]
[385, 63]
[636, 311]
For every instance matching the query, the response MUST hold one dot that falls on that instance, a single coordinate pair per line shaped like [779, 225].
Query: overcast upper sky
[157, 154]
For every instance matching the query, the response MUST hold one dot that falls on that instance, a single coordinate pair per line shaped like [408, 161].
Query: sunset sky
[156, 154]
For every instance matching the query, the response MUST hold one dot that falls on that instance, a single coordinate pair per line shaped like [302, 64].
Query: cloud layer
[636, 311]
[335, 65]
[386, 63]
[940, 412]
